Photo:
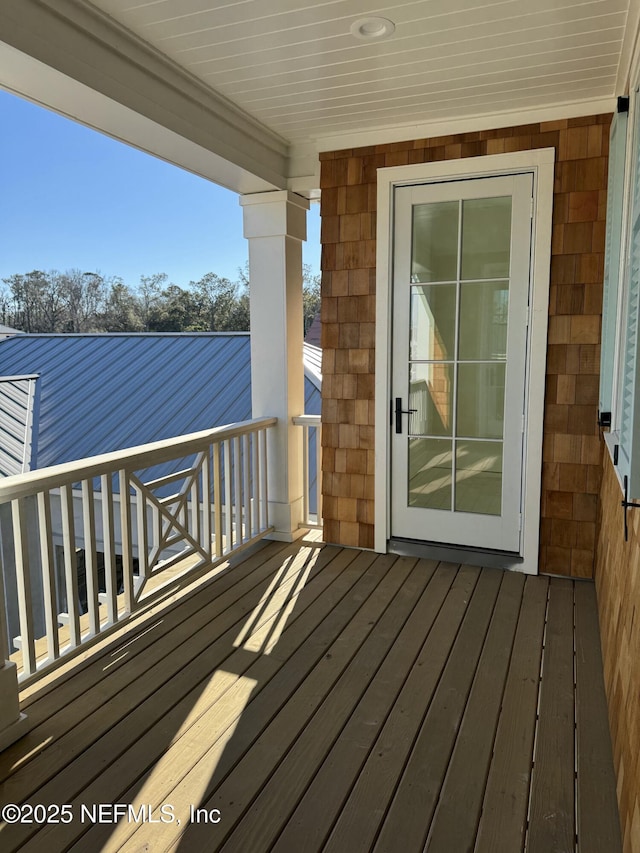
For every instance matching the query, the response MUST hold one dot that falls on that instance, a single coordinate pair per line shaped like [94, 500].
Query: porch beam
[71, 57]
[275, 224]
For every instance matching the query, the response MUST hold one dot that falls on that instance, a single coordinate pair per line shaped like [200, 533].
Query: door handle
[400, 412]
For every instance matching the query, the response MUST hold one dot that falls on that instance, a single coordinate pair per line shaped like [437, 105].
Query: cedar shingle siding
[571, 454]
[618, 590]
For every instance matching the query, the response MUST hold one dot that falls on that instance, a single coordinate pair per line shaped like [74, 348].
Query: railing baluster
[48, 575]
[237, 487]
[305, 472]
[255, 483]
[5, 648]
[195, 504]
[70, 564]
[228, 504]
[206, 541]
[108, 538]
[90, 555]
[312, 435]
[127, 544]
[23, 578]
[182, 514]
[156, 529]
[246, 486]
[263, 478]
[142, 534]
[319, 475]
[217, 499]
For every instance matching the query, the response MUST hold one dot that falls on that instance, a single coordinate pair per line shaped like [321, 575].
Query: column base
[13, 724]
[286, 518]
[15, 731]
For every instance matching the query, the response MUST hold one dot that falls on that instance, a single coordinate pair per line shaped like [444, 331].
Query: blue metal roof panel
[100, 393]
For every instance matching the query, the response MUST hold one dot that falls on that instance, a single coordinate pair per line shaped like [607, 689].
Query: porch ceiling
[295, 66]
[264, 85]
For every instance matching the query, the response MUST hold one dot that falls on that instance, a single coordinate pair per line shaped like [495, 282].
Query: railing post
[13, 724]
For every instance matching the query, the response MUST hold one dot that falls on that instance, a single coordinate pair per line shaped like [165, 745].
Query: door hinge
[531, 208]
[520, 522]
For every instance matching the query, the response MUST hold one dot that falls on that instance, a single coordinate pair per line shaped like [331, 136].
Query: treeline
[75, 301]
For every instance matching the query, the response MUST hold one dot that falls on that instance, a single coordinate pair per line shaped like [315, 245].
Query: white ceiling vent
[372, 29]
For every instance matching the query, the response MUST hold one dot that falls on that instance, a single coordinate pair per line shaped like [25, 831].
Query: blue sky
[72, 198]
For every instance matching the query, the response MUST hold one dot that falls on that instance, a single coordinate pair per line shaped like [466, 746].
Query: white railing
[312, 468]
[84, 544]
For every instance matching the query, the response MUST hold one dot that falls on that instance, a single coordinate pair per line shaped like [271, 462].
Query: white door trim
[541, 163]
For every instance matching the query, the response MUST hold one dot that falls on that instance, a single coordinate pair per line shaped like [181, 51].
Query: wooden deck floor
[312, 698]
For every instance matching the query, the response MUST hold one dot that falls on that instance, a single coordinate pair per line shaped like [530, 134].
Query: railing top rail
[306, 420]
[134, 458]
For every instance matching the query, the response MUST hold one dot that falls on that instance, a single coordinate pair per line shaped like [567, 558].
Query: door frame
[540, 163]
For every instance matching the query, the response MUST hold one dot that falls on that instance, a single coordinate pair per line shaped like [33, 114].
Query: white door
[461, 274]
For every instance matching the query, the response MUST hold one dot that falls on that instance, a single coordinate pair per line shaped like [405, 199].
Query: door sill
[455, 554]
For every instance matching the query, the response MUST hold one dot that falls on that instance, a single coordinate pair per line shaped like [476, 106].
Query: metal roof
[105, 392]
[18, 397]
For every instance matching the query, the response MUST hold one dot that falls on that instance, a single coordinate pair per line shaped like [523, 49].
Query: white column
[275, 224]
[13, 724]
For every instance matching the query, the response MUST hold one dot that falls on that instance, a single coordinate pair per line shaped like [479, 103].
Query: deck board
[297, 689]
[141, 738]
[293, 774]
[165, 662]
[552, 805]
[219, 739]
[503, 822]
[308, 826]
[345, 673]
[326, 699]
[598, 826]
[360, 819]
[455, 822]
[417, 794]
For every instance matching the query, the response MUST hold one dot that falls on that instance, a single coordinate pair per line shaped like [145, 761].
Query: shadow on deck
[313, 698]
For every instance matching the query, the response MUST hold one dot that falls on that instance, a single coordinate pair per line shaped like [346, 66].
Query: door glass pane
[479, 477]
[480, 405]
[431, 395]
[433, 322]
[430, 473]
[434, 251]
[486, 238]
[483, 320]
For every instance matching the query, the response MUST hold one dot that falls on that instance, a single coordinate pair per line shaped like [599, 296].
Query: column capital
[280, 213]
